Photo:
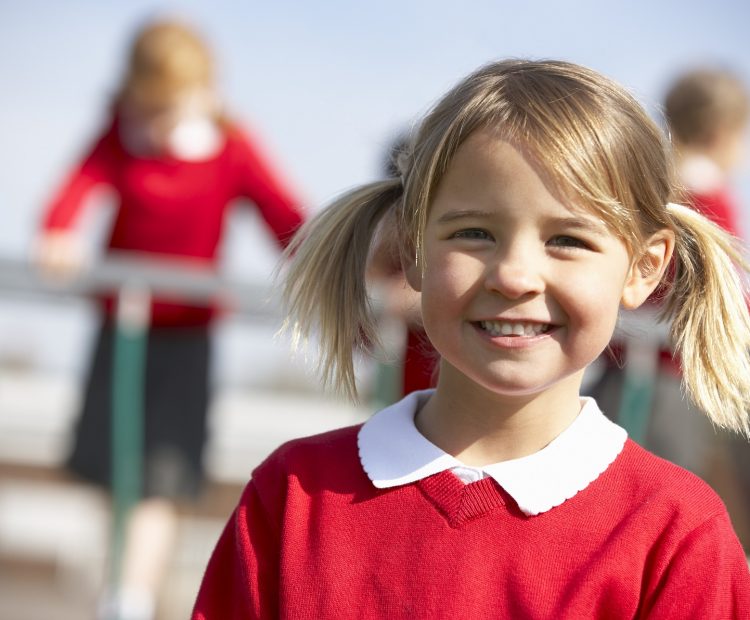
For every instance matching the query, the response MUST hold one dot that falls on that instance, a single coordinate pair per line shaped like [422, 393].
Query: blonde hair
[600, 150]
[167, 59]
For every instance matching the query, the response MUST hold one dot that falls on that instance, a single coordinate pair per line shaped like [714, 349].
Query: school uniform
[374, 521]
[170, 205]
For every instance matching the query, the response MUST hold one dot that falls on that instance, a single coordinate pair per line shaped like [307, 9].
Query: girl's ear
[647, 269]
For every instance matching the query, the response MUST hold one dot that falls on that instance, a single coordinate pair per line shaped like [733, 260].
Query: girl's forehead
[494, 146]
[491, 147]
[487, 165]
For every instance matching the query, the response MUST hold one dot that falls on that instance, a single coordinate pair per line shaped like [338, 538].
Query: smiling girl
[534, 204]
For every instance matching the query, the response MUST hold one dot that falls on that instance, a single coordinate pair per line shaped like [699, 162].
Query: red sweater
[719, 206]
[313, 538]
[175, 207]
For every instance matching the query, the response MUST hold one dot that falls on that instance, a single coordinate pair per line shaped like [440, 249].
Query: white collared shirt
[393, 453]
[701, 174]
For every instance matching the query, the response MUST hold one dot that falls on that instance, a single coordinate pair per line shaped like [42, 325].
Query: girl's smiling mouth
[527, 329]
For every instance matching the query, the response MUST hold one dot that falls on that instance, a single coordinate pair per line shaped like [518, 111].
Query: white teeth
[506, 328]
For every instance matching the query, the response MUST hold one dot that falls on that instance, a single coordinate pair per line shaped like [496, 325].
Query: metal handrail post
[644, 335]
[639, 384]
[388, 380]
[128, 398]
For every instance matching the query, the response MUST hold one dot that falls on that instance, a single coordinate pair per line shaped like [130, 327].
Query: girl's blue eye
[564, 241]
[472, 233]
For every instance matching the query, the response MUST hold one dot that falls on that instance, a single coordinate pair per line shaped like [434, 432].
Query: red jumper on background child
[175, 163]
[534, 204]
[707, 111]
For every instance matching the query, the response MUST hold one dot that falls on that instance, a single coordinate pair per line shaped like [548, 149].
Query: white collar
[393, 453]
[195, 139]
[701, 174]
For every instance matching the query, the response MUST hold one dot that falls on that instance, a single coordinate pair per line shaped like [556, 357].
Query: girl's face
[520, 291]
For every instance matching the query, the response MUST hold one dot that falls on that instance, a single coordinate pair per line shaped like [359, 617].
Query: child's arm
[97, 167]
[706, 577]
[58, 249]
[241, 580]
[259, 182]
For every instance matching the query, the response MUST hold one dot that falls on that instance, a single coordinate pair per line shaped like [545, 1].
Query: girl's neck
[479, 427]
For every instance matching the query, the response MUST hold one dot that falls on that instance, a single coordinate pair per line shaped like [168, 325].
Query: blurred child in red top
[175, 163]
[707, 111]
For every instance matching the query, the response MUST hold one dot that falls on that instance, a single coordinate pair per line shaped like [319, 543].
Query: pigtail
[325, 285]
[710, 325]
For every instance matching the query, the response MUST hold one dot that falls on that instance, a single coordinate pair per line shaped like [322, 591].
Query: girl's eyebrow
[579, 223]
[460, 214]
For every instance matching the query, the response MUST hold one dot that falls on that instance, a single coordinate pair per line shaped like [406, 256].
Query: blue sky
[326, 84]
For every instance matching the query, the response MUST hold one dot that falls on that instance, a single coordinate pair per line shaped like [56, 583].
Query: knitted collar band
[393, 453]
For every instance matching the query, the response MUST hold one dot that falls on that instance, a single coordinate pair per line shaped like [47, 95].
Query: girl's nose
[514, 274]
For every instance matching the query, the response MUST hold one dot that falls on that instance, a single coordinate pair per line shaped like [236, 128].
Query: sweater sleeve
[261, 184]
[706, 577]
[96, 168]
[241, 579]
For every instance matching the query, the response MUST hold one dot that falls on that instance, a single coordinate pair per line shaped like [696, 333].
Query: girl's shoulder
[237, 135]
[334, 444]
[232, 130]
[663, 486]
[318, 460]
[680, 530]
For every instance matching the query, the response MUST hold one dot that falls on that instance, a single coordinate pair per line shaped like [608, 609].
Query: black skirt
[176, 400]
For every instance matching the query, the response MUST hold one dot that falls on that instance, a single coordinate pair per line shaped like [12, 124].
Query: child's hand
[59, 255]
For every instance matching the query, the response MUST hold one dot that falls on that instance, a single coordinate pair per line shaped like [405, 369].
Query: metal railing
[133, 280]
[188, 281]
